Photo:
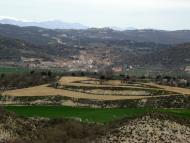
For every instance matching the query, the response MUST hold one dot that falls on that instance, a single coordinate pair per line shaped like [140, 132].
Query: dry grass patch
[70, 79]
[92, 82]
[44, 90]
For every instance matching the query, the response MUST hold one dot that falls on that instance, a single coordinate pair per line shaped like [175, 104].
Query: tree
[43, 73]
[2, 75]
[107, 72]
[49, 73]
[82, 74]
[102, 78]
[158, 77]
[73, 74]
[32, 72]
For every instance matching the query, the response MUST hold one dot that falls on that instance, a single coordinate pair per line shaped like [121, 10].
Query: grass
[185, 113]
[88, 114]
[6, 69]
[85, 114]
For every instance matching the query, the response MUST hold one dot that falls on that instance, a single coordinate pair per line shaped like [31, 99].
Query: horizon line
[89, 27]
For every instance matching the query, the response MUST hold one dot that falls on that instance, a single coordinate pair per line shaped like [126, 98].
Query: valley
[94, 71]
[93, 85]
[92, 50]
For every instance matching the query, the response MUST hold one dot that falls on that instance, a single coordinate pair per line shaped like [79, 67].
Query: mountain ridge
[50, 24]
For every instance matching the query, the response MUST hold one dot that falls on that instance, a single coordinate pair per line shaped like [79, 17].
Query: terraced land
[129, 111]
[74, 88]
[184, 91]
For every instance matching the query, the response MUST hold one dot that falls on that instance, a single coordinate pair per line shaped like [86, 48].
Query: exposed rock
[149, 129]
[13, 127]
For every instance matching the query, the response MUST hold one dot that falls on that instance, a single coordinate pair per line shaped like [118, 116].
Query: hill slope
[37, 35]
[95, 48]
[150, 128]
[171, 57]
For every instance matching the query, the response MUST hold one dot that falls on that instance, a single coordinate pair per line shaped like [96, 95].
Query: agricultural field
[89, 114]
[83, 114]
[84, 109]
[73, 87]
[6, 70]
[91, 92]
[185, 91]
[95, 100]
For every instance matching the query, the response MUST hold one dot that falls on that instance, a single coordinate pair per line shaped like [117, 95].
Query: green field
[87, 114]
[5, 69]
[185, 113]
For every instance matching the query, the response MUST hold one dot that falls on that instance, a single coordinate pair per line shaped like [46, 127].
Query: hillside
[141, 35]
[31, 35]
[14, 50]
[92, 49]
[43, 45]
[37, 35]
[150, 128]
[171, 57]
[15, 129]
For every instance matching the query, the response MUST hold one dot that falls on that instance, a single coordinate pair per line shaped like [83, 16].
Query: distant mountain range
[41, 36]
[53, 24]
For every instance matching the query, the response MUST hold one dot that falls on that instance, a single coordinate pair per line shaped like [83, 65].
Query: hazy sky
[159, 14]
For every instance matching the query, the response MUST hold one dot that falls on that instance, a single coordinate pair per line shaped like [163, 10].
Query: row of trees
[23, 80]
[172, 81]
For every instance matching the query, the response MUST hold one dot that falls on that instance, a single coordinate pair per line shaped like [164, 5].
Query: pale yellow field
[184, 91]
[72, 82]
[70, 79]
[44, 90]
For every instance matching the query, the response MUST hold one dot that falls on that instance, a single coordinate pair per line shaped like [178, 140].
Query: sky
[157, 14]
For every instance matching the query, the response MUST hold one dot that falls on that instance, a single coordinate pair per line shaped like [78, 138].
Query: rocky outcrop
[149, 129]
[13, 127]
